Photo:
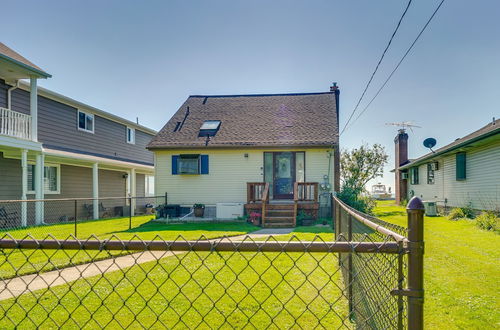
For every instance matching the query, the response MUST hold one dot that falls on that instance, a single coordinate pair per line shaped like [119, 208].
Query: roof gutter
[460, 145]
[38, 73]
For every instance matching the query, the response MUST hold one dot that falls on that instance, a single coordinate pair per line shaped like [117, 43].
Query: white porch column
[39, 188]
[34, 109]
[133, 187]
[24, 187]
[95, 189]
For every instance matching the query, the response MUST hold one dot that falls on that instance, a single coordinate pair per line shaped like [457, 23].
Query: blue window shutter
[174, 164]
[204, 164]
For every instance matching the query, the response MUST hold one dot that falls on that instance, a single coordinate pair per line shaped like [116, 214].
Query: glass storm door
[284, 175]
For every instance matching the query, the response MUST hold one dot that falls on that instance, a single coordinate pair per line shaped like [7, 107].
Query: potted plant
[304, 219]
[199, 210]
[255, 218]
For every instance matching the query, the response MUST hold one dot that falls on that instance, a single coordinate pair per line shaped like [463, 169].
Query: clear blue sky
[143, 58]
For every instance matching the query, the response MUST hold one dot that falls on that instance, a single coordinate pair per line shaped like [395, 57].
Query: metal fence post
[349, 268]
[415, 291]
[130, 213]
[76, 214]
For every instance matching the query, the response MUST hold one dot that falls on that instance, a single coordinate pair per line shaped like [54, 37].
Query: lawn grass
[22, 262]
[305, 233]
[461, 271]
[195, 289]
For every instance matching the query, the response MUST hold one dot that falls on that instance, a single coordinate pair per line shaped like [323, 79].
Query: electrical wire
[400, 61]
[378, 64]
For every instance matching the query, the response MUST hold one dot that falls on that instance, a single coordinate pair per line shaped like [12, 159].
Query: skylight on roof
[210, 125]
[209, 128]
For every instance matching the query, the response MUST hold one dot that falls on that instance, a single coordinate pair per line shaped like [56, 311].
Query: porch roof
[265, 120]
[15, 66]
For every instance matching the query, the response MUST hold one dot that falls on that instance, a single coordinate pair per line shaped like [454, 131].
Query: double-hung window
[51, 179]
[130, 135]
[189, 164]
[414, 175]
[85, 122]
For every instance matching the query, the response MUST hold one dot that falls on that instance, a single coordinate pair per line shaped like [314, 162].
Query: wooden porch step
[278, 225]
[279, 213]
[279, 219]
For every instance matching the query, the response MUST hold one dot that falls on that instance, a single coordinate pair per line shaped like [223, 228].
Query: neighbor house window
[414, 175]
[130, 135]
[85, 121]
[149, 188]
[51, 179]
[461, 162]
[189, 164]
[430, 173]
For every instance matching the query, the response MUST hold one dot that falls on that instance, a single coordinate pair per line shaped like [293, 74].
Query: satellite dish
[430, 143]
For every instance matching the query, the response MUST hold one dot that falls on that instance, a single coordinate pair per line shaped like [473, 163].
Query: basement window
[209, 128]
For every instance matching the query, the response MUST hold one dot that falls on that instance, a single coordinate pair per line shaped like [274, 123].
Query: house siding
[481, 188]
[229, 171]
[57, 127]
[10, 182]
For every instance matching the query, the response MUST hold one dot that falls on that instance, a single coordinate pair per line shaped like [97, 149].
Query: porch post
[34, 109]
[95, 190]
[24, 187]
[133, 187]
[39, 188]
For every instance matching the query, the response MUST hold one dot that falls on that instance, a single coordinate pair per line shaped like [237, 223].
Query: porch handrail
[15, 124]
[265, 198]
[255, 191]
[306, 191]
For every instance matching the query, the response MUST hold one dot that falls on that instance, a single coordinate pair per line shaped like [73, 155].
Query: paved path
[28, 283]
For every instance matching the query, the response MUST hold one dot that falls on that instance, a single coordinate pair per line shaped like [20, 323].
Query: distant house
[462, 173]
[52, 146]
[226, 148]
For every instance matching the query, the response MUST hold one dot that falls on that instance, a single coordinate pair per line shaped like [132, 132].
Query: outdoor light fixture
[246, 155]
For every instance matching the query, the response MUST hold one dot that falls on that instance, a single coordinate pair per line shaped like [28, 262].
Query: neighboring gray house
[52, 146]
[462, 173]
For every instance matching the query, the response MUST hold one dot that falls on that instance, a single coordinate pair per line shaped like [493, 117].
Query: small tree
[357, 167]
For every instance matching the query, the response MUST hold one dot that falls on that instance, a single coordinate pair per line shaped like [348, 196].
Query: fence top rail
[364, 219]
[90, 199]
[220, 245]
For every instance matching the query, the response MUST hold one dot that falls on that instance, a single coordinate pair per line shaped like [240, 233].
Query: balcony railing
[15, 124]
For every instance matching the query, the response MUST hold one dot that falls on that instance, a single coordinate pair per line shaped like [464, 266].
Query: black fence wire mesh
[238, 282]
[62, 217]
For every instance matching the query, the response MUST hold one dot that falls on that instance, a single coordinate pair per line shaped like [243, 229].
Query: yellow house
[273, 154]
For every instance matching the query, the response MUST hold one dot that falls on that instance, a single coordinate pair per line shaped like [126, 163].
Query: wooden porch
[282, 213]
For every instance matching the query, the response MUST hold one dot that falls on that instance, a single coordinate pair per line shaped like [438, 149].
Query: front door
[284, 175]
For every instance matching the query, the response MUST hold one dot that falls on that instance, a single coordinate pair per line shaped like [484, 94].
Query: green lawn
[461, 271]
[22, 262]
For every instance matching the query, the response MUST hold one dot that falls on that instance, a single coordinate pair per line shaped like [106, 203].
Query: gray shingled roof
[492, 128]
[10, 54]
[306, 120]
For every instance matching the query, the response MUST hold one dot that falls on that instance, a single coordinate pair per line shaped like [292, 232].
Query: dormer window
[209, 128]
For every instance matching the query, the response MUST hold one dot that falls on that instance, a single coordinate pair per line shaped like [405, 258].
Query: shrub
[468, 211]
[456, 214]
[488, 221]
[356, 199]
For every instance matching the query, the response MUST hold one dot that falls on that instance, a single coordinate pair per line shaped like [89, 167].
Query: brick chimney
[401, 155]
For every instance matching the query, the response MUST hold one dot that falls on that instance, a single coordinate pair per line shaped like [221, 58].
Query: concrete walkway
[28, 283]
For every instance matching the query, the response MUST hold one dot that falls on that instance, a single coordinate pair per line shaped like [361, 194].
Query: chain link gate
[219, 283]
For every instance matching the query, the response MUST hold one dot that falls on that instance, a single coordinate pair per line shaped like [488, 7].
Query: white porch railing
[15, 124]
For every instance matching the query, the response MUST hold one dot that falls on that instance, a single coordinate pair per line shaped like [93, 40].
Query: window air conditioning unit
[404, 175]
[435, 166]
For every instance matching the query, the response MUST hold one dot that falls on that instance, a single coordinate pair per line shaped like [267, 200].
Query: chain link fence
[63, 217]
[361, 280]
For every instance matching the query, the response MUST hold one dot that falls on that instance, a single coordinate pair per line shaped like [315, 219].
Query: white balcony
[15, 124]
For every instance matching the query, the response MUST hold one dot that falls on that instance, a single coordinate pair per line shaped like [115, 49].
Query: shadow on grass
[314, 229]
[162, 227]
[381, 214]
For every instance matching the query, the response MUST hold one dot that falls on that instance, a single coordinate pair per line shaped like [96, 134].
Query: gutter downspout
[9, 95]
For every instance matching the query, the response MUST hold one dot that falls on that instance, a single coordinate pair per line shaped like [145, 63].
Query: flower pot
[199, 211]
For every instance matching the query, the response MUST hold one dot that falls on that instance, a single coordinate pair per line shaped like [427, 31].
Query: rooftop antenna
[404, 125]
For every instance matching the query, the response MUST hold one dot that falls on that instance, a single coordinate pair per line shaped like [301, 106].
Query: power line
[400, 61]
[378, 64]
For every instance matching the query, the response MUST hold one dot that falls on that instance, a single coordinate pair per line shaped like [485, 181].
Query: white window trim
[48, 192]
[78, 122]
[133, 135]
